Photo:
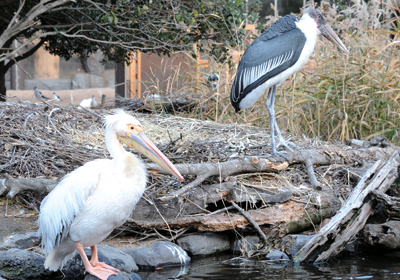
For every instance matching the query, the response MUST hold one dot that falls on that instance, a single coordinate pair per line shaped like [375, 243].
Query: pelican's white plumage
[94, 199]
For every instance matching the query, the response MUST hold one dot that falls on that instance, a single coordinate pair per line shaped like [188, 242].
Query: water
[367, 267]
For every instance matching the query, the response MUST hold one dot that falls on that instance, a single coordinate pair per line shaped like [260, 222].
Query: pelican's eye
[132, 127]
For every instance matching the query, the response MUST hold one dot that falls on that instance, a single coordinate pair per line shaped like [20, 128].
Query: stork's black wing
[276, 50]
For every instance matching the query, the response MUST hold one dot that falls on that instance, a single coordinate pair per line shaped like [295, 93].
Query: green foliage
[119, 27]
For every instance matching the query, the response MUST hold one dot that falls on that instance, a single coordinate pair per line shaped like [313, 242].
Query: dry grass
[335, 96]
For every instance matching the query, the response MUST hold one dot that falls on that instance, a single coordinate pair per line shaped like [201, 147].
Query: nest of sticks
[47, 140]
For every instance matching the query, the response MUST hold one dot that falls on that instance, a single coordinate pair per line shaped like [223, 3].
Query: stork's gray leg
[271, 111]
[274, 125]
[269, 103]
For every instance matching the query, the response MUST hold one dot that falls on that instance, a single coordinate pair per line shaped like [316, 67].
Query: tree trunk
[3, 89]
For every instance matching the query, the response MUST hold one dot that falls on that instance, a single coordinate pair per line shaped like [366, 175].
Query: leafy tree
[118, 27]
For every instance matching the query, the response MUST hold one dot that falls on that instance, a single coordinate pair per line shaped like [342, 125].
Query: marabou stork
[38, 95]
[275, 55]
[99, 196]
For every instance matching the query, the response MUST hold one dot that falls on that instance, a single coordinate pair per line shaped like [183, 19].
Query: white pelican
[89, 102]
[97, 197]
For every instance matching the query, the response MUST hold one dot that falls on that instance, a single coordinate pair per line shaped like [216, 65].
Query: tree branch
[23, 56]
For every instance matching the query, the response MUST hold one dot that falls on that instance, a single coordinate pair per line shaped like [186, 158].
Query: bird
[91, 201]
[276, 54]
[89, 102]
[93, 103]
[56, 97]
[38, 95]
[212, 81]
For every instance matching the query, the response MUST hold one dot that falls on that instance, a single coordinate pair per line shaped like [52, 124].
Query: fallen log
[318, 156]
[283, 214]
[352, 217]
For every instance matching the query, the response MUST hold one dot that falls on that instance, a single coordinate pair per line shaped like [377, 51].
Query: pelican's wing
[86, 102]
[67, 200]
[277, 49]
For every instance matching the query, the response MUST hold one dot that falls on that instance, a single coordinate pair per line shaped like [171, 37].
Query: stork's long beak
[329, 34]
[144, 146]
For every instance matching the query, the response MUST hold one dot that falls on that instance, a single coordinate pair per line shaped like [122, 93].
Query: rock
[121, 276]
[48, 84]
[383, 236]
[159, 254]
[84, 80]
[20, 241]
[296, 242]
[204, 243]
[19, 264]
[277, 256]
[94, 63]
[245, 244]
[108, 255]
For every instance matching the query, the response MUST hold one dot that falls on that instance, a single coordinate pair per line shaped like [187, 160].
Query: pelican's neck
[114, 146]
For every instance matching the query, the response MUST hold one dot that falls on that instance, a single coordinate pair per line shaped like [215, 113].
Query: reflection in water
[368, 267]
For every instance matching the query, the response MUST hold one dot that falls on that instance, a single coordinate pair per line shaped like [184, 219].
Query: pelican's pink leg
[98, 272]
[94, 260]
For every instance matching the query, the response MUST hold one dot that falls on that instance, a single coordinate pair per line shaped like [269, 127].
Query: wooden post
[103, 101]
[120, 80]
[135, 77]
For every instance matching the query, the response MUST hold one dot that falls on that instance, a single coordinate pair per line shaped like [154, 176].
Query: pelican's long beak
[329, 34]
[144, 146]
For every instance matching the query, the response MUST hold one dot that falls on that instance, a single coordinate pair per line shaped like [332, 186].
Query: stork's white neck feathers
[308, 26]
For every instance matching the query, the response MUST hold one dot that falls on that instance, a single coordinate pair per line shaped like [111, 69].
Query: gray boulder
[109, 255]
[159, 254]
[19, 264]
[20, 241]
[246, 243]
[296, 242]
[277, 256]
[84, 80]
[204, 243]
[94, 63]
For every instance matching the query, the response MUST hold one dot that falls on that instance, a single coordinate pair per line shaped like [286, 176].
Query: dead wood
[224, 169]
[392, 204]
[13, 186]
[282, 214]
[352, 217]
[273, 164]
[384, 236]
[156, 103]
[251, 221]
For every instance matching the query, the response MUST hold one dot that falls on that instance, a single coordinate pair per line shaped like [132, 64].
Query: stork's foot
[100, 272]
[103, 265]
[279, 154]
[276, 154]
[286, 144]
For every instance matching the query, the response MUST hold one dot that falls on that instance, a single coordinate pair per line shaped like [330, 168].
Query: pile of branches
[232, 183]
[46, 140]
